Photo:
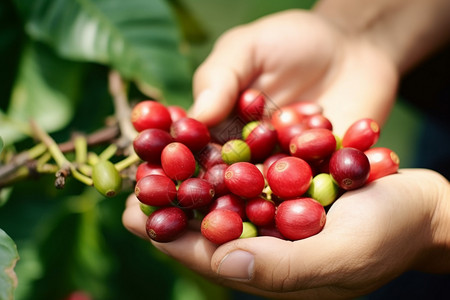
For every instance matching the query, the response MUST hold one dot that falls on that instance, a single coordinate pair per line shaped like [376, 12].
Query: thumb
[220, 78]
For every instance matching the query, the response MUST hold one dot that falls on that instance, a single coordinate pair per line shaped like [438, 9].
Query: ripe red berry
[176, 112]
[270, 160]
[147, 168]
[216, 176]
[284, 117]
[150, 114]
[244, 179]
[383, 161]
[191, 132]
[318, 121]
[260, 211]
[149, 143]
[300, 218]
[156, 190]
[289, 177]
[221, 225]
[195, 193]
[262, 140]
[349, 167]
[250, 105]
[286, 134]
[210, 155]
[166, 224]
[177, 161]
[313, 144]
[362, 134]
[230, 202]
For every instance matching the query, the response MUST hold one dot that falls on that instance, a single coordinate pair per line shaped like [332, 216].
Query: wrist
[407, 31]
[436, 257]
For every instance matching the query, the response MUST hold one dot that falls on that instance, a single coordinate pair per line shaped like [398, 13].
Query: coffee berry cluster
[277, 177]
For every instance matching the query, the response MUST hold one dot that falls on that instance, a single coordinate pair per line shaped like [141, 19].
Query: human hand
[373, 234]
[296, 56]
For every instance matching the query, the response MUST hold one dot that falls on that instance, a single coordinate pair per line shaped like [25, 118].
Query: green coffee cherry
[248, 128]
[323, 189]
[235, 151]
[106, 178]
[248, 230]
[147, 209]
[338, 142]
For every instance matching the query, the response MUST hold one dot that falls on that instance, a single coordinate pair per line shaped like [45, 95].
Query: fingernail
[237, 265]
[200, 105]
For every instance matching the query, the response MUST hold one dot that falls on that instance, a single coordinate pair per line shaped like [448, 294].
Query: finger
[192, 250]
[227, 70]
[364, 85]
[133, 218]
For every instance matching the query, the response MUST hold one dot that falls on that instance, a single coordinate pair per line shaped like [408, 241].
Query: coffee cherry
[285, 117]
[177, 161]
[150, 114]
[260, 211]
[195, 193]
[362, 134]
[147, 168]
[318, 121]
[166, 224]
[176, 112]
[210, 155]
[230, 202]
[216, 176]
[262, 141]
[147, 209]
[248, 230]
[313, 144]
[300, 218]
[244, 179]
[270, 160]
[270, 230]
[156, 190]
[149, 144]
[323, 189]
[190, 132]
[250, 105]
[349, 167]
[289, 177]
[235, 151]
[286, 134]
[221, 225]
[383, 161]
[106, 178]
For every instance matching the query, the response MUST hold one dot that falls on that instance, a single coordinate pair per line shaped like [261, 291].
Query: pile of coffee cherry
[265, 174]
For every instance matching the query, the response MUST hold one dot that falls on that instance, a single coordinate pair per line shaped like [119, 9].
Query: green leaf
[46, 91]
[8, 259]
[1, 144]
[139, 38]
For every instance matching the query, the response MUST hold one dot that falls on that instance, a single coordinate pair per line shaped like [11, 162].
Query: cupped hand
[296, 56]
[371, 235]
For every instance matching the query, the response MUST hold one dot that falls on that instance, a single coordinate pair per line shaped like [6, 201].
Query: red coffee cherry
[150, 114]
[349, 167]
[166, 224]
[221, 225]
[300, 218]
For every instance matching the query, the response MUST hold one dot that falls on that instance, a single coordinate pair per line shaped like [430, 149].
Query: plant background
[55, 57]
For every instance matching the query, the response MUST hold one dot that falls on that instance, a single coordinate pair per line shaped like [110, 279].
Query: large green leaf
[8, 259]
[46, 90]
[139, 38]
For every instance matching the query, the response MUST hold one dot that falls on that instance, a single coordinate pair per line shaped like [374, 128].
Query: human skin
[348, 56]
[371, 235]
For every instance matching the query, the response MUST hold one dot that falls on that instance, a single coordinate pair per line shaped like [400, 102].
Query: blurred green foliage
[56, 56]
